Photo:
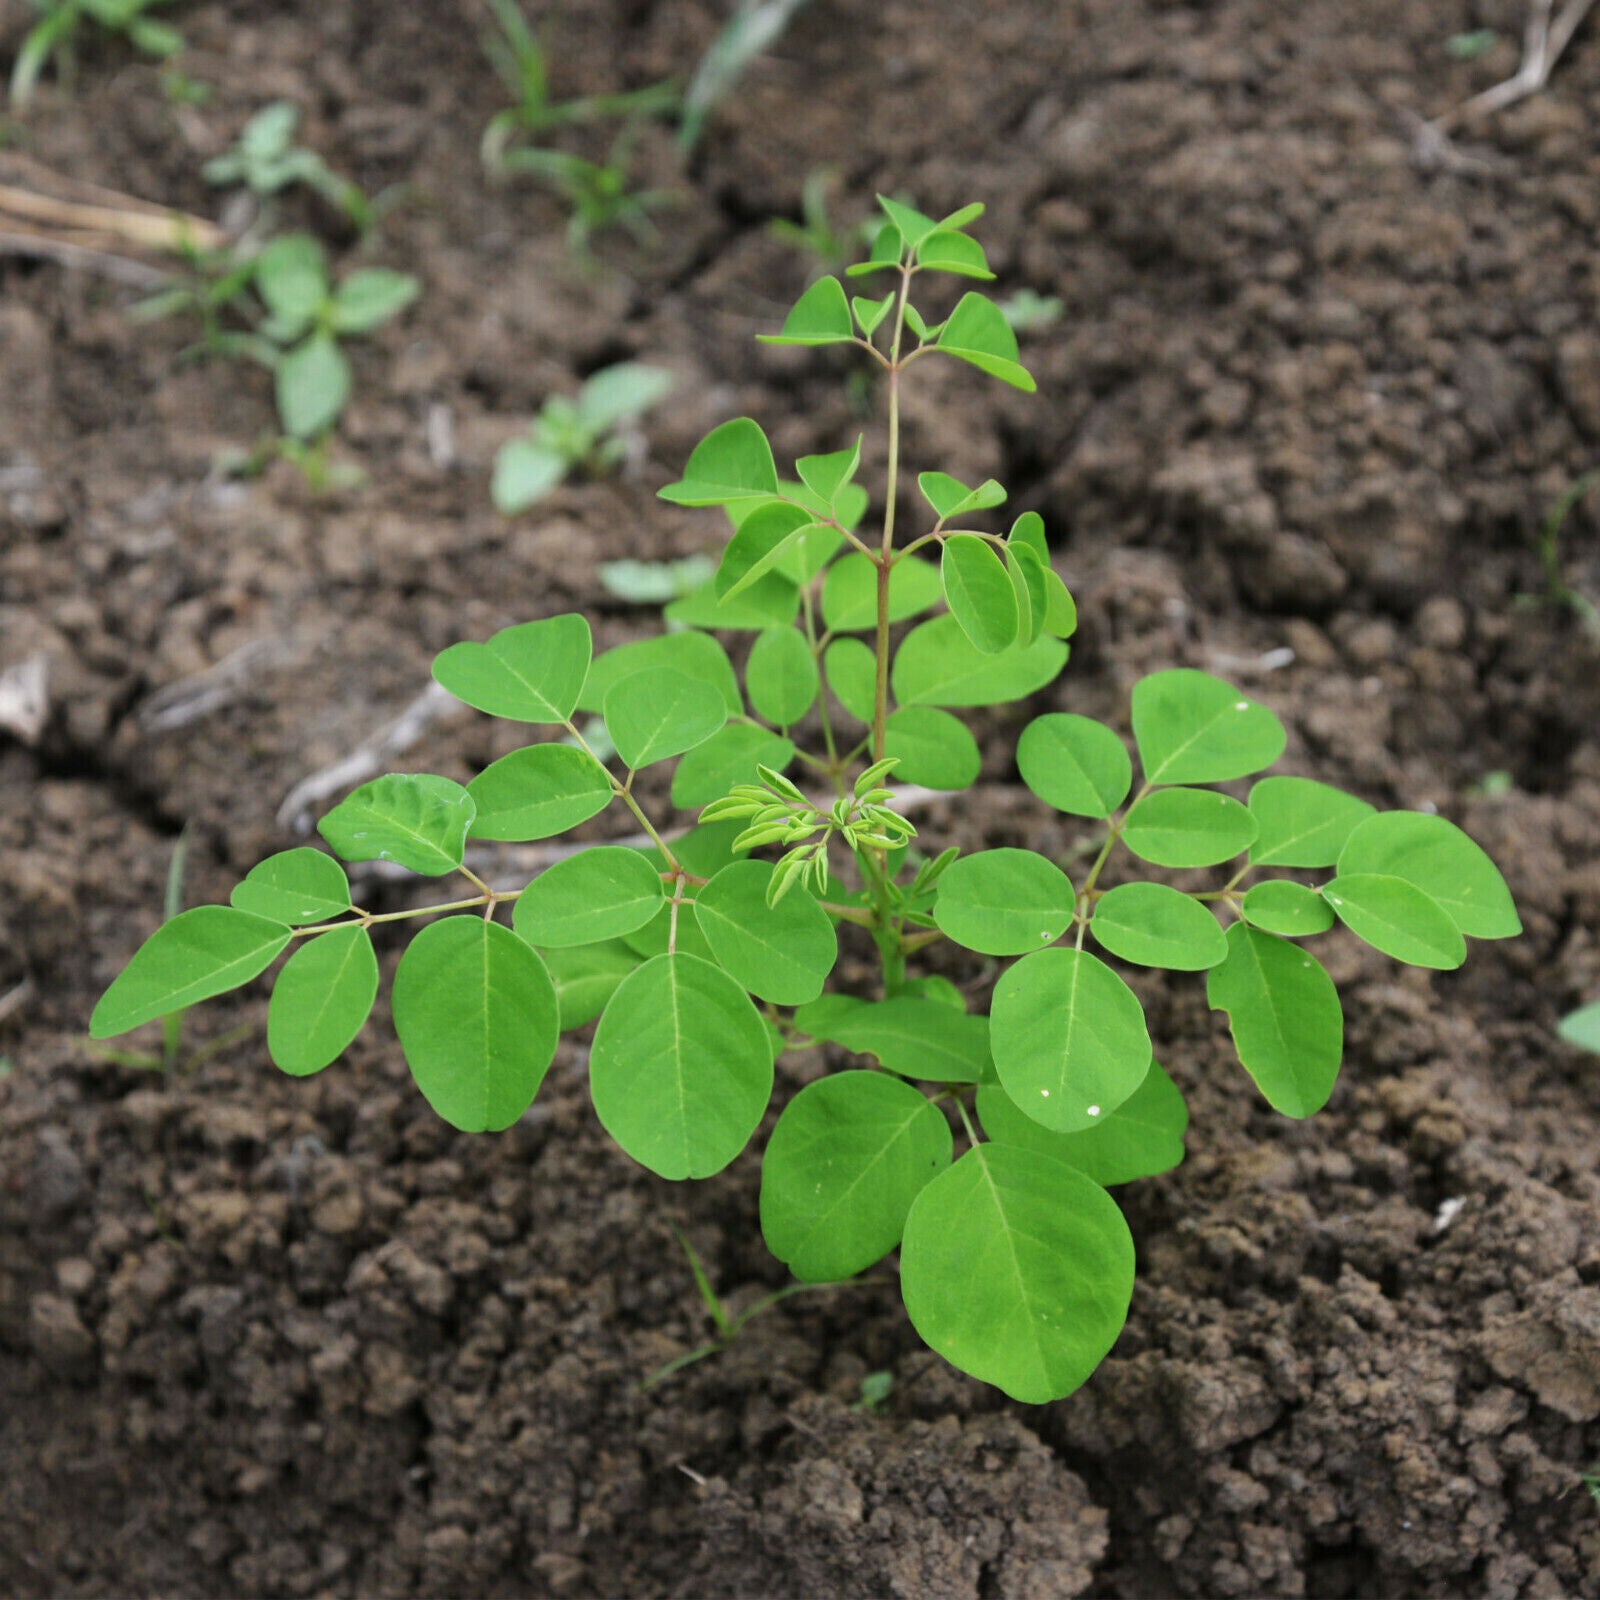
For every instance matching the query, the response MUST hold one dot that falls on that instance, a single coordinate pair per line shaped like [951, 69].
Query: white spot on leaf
[1094, 1111]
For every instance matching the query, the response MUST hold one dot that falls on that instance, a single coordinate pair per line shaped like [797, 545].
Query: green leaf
[729, 756]
[1142, 1137]
[681, 1067]
[781, 953]
[695, 655]
[978, 333]
[1030, 581]
[979, 592]
[597, 894]
[1436, 857]
[313, 383]
[1397, 918]
[1582, 1027]
[781, 676]
[886, 249]
[770, 602]
[826, 475]
[850, 592]
[416, 819]
[950, 497]
[1074, 764]
[937, 665]
[654, 715]
[292, 279]
[1061, 614]
[1069, 1037]
[760, 545]
[869, 314]
[1303, 824]
[933, 748]
[295, 886]
[910, 223]
[852, 672]
[1283, 1012]
[321, 999]
[815, 545]
[946, 251]
[732, 462]
[585, 978]
[910, 1035]
[195, 955]
[538, 792]
[847, 1158]
[477, 1018]
[1017, 1269]
[524, 472]
[654, 937]
[371, 296]
[1193, 728]
[620, 393]
[820, 316]
[1003, 902]
[963, 216]
[532, 672]
[1154, 925]
[1285, 908]
[1188, 828]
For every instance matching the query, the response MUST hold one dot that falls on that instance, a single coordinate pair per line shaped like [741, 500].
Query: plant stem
[880, 703]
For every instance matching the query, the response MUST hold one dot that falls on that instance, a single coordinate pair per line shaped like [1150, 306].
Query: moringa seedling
[593, 433]
[862, 650]
[55, 37]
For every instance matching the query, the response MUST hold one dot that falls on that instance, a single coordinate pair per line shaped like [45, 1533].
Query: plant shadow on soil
[299, 1338]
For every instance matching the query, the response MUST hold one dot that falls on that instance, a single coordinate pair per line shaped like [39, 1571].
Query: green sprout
[594, 433]
[699, 956]
[55, 37]
[266, 160]
[1557, 590]
[518, 58]
[596, 192]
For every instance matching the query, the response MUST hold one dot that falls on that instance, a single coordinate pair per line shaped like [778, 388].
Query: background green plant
[56, 35]
[700, 959]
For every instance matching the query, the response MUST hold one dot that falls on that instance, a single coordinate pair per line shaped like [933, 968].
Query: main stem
[880, 704]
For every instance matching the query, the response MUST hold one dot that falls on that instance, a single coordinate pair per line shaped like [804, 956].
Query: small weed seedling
[519, 60]
[307, 316]
[212, 285]
[703, 957]
[266, 160]
[830, 245]
[55, 37]
[593, 434]
[1556, 588]
[596, 191]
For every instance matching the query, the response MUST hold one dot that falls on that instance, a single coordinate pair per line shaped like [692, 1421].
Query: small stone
[59, 1337]
[1442, 623]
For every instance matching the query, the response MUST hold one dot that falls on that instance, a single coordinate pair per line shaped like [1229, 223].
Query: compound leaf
[597, 894]
[848, 1156]
[1003, 902]
[190, 957]
[477, 1018]
[1074, 764]
[1069, 1038]
[1155, 925]
[781, 953]
[320, 1000]
[416, 819]
[1193, 728]
[538, 792]
[532, 672]
[1017, 1269]
[1283, 1012]
[295, 886]
[681, 1067]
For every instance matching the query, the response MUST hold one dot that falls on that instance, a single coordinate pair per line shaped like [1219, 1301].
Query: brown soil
[263, 1337]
